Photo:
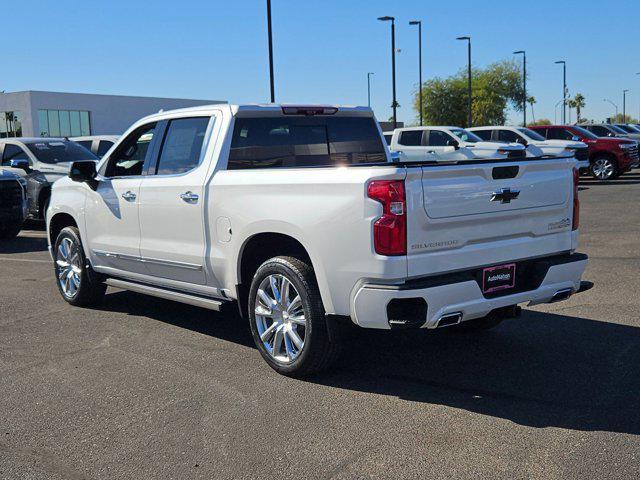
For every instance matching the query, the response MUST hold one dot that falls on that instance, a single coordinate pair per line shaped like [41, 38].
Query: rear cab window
[289, 141]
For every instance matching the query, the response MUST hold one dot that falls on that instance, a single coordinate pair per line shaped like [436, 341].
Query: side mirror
[575, 139]
[454, 144]
[21, 163]
[84, 171]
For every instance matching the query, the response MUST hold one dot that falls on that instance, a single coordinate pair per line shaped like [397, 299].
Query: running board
[190, 299]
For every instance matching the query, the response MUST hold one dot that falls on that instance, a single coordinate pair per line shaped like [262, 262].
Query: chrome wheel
[69, 267]
[603, 169]
[280, 318]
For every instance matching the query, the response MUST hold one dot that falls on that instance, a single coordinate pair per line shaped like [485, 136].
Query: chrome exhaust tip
[449, 319]
[561, 295]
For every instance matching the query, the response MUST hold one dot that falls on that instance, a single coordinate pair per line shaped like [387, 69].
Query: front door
[172, 204]
[112, 210]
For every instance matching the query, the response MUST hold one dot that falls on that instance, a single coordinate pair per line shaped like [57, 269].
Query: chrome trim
[155, 261]
[196, 300]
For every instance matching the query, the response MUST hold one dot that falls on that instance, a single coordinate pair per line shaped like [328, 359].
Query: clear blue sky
[217, 49]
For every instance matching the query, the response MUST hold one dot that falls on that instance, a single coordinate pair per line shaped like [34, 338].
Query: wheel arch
[259, 247]
[59, 221]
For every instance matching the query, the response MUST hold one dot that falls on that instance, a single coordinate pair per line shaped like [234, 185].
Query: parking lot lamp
[469, 90]
[369, 88]
[419, 23]
[624, 105]
[616, 106]
[394, 105]
[524, 85]
[564, 90]
[273, 92]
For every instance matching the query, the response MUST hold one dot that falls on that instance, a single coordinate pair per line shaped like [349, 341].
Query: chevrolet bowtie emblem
[504, 195]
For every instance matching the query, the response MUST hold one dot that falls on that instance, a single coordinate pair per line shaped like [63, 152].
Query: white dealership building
[55, 114]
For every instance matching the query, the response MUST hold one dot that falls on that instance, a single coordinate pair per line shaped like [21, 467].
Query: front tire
[287, 319]
[77, 282]
[604, 168]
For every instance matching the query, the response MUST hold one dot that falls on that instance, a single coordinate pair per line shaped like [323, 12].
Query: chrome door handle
[189, 197]
[129, 196]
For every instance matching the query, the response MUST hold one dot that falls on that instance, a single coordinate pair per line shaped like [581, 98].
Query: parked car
[605, 130]
[535, 143]
[631, 130]
[447, 144]
[298, 215]
[609, 157]
[96, 144]
[13, 204]
[40, 161]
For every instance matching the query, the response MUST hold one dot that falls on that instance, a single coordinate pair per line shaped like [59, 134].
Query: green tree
[542, 121]
[619, 118]
[578, 103]
[495, 88]
[531, 101]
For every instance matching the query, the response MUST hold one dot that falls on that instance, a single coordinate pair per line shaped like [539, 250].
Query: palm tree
[531, 101]
[578, 103]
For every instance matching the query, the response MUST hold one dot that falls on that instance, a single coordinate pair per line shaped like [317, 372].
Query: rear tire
[604, 168]
[79, 285]
[287, 318]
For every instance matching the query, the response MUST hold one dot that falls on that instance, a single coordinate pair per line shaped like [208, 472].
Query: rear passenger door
[172, 203]
[410, 143]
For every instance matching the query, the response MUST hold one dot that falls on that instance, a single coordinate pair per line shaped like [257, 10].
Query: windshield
[465, 135]
[628, 128]
[617, 130]
[56, 151]
[584, 132]
[531, 134]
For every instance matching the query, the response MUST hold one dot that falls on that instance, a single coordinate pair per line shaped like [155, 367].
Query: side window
[129, 157]
[182, 145]
[483, 134]
[103, 147]
[440, 139]
[85, 143]
[564, 134]
[388, 137]
[13, 152]
[411, 138]
[599, 130]
[509, 136]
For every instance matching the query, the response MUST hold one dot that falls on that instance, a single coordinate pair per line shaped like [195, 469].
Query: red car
[610, 157]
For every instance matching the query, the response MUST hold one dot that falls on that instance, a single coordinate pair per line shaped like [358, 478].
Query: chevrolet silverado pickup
[300, 217]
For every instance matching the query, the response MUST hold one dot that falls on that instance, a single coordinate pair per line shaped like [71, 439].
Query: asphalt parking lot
[146, 388]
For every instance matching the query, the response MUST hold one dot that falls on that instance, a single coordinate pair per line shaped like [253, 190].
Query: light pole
[369, 88]
[273, 92]
[564, 91]
[524, 85]
[639, 112]
[469, 91]
[616, 106]
[394, 105]
[624, 106]
[419, 23]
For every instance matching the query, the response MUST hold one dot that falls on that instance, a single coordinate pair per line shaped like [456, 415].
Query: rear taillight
[576, 201]
[390, 230]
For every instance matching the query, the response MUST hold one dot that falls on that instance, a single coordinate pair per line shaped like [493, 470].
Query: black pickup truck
[13, 204]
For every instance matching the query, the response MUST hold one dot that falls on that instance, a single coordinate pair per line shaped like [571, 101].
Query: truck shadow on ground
[626, 179]
[542, 370]
[25, 243]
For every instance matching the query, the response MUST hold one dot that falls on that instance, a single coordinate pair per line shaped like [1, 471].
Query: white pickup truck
[445, 144]
[535, 143]
[298, 215]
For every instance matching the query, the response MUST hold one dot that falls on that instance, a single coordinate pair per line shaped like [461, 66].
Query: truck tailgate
[468, 215]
